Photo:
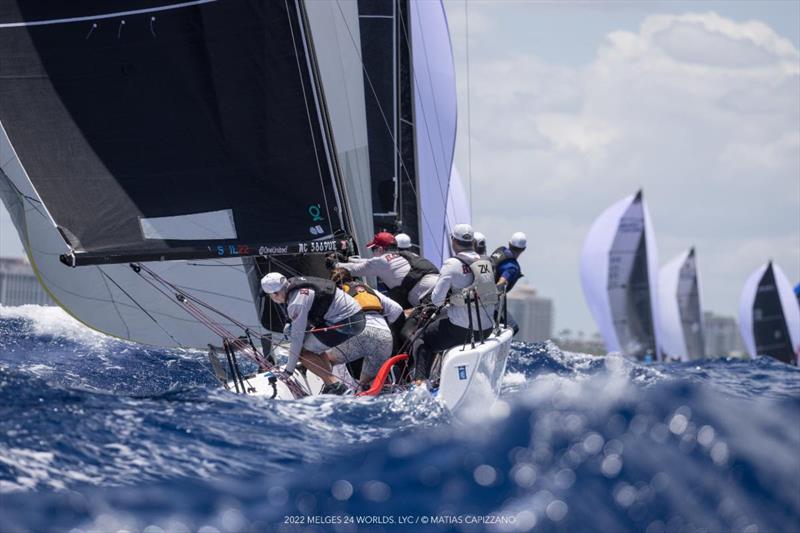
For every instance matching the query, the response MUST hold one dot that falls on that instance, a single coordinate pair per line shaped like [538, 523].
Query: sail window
[194, 227]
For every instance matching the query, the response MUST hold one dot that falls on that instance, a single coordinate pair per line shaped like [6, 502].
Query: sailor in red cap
[409, 277]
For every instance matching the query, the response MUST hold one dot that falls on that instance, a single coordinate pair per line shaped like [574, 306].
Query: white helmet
[273, 282]
[463, 233]
[519, 240]
[480, 238]
[403, 241]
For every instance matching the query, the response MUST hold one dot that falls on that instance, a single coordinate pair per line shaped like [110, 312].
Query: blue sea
[102, 435]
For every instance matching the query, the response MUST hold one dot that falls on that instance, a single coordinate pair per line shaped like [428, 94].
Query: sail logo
[462, 372]
[316, 230]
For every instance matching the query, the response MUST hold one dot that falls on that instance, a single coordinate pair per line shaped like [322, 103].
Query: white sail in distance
[619, 275]
[681, 313]
[769, 315]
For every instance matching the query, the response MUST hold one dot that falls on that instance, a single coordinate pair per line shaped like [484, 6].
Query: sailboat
[681, 312]
[769, 316]
[618, 269]
[157, 159]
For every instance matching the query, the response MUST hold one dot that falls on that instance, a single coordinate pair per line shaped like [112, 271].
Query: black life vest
[324, 292]
[420, 267]
[500, 257]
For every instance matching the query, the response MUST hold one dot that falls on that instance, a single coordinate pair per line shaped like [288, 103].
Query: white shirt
[391, 312]
[391, 269]
[456, 275]
[299, 304]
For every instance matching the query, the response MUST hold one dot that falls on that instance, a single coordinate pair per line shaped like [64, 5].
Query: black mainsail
[388, 88]
[171, 130]
[770, 330]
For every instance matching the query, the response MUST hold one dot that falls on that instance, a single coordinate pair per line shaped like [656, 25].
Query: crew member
[466, 283]
[408, 276]
[317, 302]
[403, 241]
[480, 244]
[507, 271]
[374, 344]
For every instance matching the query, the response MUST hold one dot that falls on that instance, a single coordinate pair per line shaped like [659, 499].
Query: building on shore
[722, 336]
[533, 314]
[18, 284]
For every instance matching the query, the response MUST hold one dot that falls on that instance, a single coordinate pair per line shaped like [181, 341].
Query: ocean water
[102, 435]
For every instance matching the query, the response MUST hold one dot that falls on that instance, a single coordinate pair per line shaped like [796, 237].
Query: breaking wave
[102, 435]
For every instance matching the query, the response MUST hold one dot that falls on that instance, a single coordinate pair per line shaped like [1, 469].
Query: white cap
[273, 282]
[480, 237]
[462, 233]
[519, 240]
[403, 241]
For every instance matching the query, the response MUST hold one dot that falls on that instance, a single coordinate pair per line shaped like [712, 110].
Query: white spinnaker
[337, 43]
[673, 341]
[112, 298]
[594, 270]
[791, 311]
[435, 110]
[682, 331]
[458, 211]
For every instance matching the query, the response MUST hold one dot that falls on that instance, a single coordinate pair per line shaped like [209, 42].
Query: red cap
[383, 239]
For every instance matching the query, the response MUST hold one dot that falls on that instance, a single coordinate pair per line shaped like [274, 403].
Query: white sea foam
[55, 322]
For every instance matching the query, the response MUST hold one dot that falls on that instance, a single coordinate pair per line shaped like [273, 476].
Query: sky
[575, 105]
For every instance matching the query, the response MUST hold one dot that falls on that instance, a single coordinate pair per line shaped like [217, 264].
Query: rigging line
[214, 293]
[308, 112]
[104, 15]
[417, 85]
[114, 303]
[235, 267]
[246, 349]
[53, 285]
[142, 308]
[435, 107]
[469, 111]
[193, 298]
[403, 167]
[30, 199]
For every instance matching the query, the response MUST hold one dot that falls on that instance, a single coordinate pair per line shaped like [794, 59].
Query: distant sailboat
[618, 273]
[682, 335]
[769, 316]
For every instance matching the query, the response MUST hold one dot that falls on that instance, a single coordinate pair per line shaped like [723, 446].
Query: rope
[187, 303]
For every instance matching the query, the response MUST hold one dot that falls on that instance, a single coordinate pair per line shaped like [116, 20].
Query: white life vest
[482, 289]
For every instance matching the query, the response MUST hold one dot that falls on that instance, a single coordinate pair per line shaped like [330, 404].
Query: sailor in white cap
[403, 241]
[319, 303]
[505, 260]
[480, 244]
[465, 270]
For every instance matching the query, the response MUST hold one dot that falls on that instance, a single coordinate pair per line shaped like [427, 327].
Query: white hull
[470, 377]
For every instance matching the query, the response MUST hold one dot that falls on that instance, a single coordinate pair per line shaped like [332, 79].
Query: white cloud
[700, 110]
